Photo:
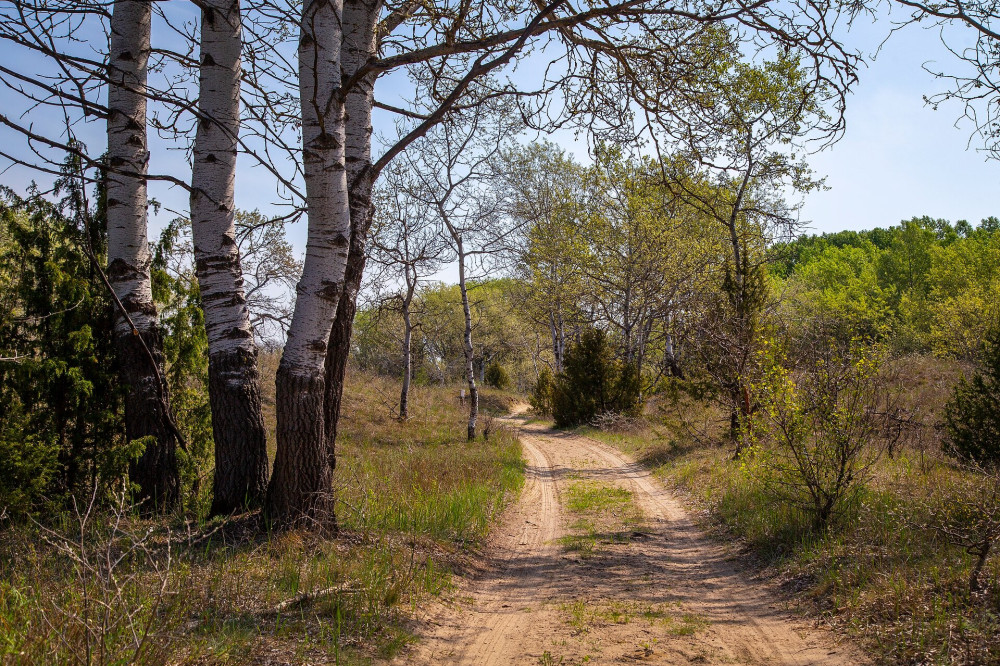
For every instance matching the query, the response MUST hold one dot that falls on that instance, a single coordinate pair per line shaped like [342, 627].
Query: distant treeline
[925, 285]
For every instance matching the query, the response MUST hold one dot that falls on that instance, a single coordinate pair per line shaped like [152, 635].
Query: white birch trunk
[234, 385]
[300, 488]
[129, 257]
[470, 371]
[360, 19]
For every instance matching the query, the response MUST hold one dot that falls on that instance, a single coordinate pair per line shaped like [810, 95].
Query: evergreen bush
[497, 377]
[594, 382]
[972, 415]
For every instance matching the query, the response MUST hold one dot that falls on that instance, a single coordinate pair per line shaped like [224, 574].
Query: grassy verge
[605, 514]
[415, 501]
[879, 573]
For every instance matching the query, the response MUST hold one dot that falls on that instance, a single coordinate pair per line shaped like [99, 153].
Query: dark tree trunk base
[238, 428]
[155, 471]
[301, 490]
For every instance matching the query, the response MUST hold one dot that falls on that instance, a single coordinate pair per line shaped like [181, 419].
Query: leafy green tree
[838, 290]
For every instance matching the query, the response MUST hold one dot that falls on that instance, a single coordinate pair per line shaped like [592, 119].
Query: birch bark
[360, 20]
[234, 384]
[301, 486]
[470, 371]
[146, 405]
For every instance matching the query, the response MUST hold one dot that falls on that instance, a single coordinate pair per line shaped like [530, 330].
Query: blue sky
[898, 157]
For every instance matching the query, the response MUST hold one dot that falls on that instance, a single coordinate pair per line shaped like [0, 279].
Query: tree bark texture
[470, 371]
[360, 19]
[404, 393]
[300, 490]
[234, 384]
[146, 405]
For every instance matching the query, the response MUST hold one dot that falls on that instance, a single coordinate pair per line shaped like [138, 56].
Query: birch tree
[408, 244]
[453, 167]
[140, 346]
[301, 486]
[234, 385]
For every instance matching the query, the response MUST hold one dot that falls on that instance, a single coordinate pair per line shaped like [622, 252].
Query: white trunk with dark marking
[128, 254]
[301, 487]
[360, 19]
[234, 385]
[404, 393]
[470, 371]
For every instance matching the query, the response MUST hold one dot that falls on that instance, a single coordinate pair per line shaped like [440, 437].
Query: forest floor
[598, 563]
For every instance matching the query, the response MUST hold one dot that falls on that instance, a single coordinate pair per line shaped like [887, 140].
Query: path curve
[666, 595]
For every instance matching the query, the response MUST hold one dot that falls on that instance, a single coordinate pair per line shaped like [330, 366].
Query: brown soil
[659, 592]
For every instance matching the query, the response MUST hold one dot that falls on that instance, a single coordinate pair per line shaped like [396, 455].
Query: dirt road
[636, 582]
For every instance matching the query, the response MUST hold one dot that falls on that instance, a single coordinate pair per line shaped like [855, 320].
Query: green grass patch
[413, 498]
[879, 572]
[583, 616]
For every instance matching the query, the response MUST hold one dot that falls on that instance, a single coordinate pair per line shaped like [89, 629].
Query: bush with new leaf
[541, 394]
[497, 377]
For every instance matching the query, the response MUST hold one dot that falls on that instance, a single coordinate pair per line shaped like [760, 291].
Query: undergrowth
[880, 571]
[415, 499]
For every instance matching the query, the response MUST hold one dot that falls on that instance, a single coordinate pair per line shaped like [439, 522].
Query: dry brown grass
[415, 502]
[882, 572]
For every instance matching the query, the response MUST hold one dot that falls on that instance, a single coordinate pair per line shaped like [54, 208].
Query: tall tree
[361, 34]
[140, 346]
[234, 385]
[546, 196]
[455, 176]
[301, 486]
[742, 155]
[407, 243]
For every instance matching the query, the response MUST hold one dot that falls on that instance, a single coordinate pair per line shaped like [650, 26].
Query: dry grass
[415, 502]
[880, 573]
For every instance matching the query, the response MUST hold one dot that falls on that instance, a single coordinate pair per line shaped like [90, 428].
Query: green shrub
[827, 422]
[541, 395]
[594, 382]
[497, 377]
[972, 415]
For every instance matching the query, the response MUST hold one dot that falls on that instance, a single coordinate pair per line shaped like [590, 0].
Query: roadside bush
[594, 382]
[541, 394]
[497, 377]
[829, 424]
[972, 415]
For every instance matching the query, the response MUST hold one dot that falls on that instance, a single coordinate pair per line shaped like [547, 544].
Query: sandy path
[663, 594]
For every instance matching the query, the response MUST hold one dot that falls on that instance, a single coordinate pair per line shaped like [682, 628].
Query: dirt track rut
[665, 594]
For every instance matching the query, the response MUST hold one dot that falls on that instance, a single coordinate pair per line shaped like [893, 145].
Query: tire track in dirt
[667, 596]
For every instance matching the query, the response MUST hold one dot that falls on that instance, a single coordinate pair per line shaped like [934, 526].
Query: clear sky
[898, 158]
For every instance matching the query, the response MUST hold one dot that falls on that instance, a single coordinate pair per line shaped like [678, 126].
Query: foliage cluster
[925, 285]
[824, 426]
[505, 342]
[972, 416]
[60, 404]
[594, 382]
[414, 497]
